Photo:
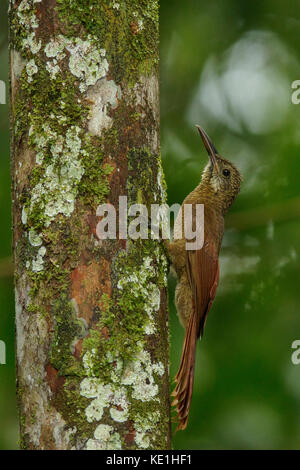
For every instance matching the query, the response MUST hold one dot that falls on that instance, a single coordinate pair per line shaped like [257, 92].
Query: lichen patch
[105, 439]
[102, 96]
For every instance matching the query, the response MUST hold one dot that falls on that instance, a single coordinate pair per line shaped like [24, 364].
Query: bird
[197, 270]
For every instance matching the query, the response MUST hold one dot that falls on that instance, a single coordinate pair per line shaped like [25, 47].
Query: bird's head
[220, 174]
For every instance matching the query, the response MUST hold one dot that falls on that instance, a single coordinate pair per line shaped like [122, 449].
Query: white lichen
[55, 48]
[31, 69]
[115, 5]
[87, 62]
[24, 215]
[94, 411]
[102, 396]
[102, 432]
[144, 426]
[39, 158]
[89, 388]
[119, 412]
[88, 361]
[118, 415]
[158, 368]
[117, 369]
[142, 440]
[53, 69]
[138, 378]
[27, 15]
[140, 24]
[31, 43]
[34, 238]
[38, 261]
[139, 374]
[102, 96]
[57, 189]
[105, 439]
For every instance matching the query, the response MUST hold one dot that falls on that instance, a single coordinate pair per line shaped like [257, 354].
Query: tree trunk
[91, 315]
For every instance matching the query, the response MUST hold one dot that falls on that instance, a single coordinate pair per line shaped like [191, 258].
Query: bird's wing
[203, 274]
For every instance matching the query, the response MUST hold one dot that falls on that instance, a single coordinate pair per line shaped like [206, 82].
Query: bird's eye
[226, 172]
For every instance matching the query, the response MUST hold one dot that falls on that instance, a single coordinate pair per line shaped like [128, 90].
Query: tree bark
[91, 315]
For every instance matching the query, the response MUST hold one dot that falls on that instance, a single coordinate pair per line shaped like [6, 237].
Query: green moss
[72, 407]
[67, 328]
[94, 186]
[128, 34]
[36, 218]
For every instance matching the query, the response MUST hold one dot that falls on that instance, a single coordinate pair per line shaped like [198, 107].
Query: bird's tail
[185, 376]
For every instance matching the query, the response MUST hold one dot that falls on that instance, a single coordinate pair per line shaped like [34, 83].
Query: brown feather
[185, 376]
[203, 274]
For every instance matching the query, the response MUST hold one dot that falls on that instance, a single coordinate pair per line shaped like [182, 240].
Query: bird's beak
[211, 149]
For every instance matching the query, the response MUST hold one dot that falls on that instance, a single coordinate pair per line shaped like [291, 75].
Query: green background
[227, 66]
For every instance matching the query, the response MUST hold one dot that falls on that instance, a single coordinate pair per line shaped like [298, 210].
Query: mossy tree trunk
[91, 315]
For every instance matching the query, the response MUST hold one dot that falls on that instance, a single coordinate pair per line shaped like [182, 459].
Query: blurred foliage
[227, 66]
